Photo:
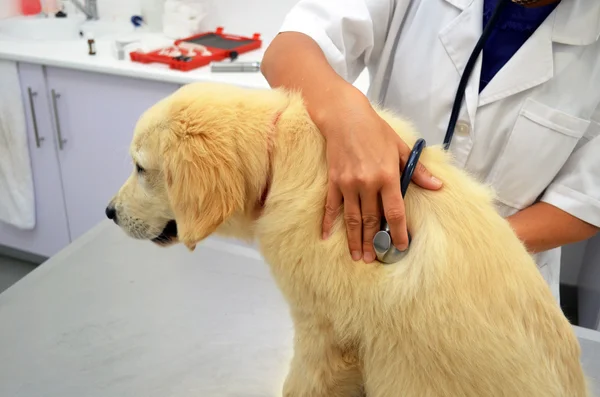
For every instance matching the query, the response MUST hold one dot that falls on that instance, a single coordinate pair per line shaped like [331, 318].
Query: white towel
[17, 203]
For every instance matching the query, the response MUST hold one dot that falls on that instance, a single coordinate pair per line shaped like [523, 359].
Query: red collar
[270, 146]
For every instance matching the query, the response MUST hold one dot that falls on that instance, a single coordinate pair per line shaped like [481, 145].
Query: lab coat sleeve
[351, 33]
[576, 189]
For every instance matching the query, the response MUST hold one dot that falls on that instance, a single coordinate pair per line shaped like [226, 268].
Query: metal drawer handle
[38, 139]
[61, 141]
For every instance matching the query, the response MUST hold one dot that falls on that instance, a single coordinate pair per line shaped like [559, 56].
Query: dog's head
[200, 161]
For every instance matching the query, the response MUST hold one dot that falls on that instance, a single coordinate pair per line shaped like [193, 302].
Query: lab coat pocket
[541, 141]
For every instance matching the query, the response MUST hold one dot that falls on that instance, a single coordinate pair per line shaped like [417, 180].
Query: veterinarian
[529, 124]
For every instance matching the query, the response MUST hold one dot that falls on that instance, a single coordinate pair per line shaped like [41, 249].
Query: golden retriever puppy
[464, 313]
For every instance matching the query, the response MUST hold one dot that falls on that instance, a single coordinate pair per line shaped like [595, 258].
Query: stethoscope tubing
[392, 254]
[462, 85]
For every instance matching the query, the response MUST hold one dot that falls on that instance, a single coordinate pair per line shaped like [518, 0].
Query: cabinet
[85, 123]
[51, 231]
[96, 114]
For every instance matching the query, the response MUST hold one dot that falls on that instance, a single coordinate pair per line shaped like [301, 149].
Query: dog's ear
[204, 182]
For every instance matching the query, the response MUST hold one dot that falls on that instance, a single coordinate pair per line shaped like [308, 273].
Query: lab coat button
[462, 128]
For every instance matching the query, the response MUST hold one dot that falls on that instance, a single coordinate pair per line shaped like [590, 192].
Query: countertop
[74, 54]
[111, 316]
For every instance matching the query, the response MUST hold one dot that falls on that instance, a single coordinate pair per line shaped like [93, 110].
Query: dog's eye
[139, 169]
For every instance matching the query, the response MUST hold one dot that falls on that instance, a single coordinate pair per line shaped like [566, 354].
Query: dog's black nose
[111, 213]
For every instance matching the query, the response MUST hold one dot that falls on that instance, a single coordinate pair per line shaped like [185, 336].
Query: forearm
[295, 61]
[543, 226]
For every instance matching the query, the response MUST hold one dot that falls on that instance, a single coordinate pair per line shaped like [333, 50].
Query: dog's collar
[270, 147]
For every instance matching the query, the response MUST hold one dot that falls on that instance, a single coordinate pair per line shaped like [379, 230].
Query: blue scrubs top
[515, 25]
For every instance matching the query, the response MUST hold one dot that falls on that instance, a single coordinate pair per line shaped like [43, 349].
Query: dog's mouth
[168, 235]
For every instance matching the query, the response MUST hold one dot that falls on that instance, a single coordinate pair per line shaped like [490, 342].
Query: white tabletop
[110, 316]
[73, 54]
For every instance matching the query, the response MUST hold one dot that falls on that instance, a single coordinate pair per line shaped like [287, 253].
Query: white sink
[104, 28]
[53, 29]
[37, 28]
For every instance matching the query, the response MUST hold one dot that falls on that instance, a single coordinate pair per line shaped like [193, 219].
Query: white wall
[260, 16]
[8, 8]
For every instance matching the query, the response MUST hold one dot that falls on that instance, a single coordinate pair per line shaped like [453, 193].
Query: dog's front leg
[320, 368]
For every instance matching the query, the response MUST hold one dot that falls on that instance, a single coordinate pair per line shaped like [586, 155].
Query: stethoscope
[382, 242]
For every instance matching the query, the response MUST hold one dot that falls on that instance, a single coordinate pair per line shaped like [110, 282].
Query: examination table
[110, 316]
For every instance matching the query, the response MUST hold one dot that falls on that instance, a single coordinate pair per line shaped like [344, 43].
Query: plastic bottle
[91, 44]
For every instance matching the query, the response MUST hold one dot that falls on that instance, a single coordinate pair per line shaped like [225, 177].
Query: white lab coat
[532, 134]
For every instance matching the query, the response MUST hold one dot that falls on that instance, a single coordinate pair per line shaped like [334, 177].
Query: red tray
[200, 50]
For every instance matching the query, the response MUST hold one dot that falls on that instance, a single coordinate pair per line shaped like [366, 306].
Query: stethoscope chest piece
[384, 249]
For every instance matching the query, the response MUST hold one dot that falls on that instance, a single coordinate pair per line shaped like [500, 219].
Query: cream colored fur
[465, 313]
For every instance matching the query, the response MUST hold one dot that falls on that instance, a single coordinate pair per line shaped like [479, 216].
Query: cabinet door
[50, 233]
[95, 117]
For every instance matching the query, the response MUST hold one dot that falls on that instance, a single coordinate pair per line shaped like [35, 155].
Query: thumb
[421, 176]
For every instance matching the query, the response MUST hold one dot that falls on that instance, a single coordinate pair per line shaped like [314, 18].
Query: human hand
[364, 156]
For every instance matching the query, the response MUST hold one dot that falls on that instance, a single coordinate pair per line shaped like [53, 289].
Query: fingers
[421, 176]
[332, 209]
[353, 221]
[393, 210]
[371, 220]
[352, 217]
